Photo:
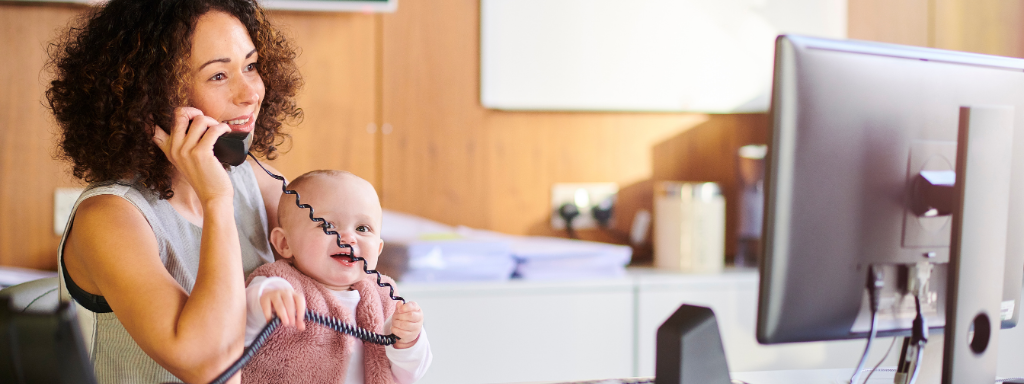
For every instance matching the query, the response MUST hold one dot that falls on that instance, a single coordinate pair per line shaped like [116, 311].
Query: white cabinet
[527, 331]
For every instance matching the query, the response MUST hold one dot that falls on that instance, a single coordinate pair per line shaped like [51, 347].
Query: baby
[313, 273]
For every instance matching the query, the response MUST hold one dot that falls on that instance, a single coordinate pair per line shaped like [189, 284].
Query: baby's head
[350, 205]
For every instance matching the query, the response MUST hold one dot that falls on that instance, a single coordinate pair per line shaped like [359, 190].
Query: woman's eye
[251, 67]
[219, 76]
[363, 228]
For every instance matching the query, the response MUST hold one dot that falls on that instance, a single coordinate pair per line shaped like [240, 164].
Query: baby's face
[350, 206]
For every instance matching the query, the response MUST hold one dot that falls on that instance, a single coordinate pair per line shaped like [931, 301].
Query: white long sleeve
[407, 365]
[254, 319]
[410, 364]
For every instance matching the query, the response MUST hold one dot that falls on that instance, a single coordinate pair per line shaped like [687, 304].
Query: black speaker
[690, 349]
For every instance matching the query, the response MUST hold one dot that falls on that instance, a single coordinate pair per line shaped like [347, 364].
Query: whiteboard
[640, 55]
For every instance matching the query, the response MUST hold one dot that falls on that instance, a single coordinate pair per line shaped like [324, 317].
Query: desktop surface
[884, 375]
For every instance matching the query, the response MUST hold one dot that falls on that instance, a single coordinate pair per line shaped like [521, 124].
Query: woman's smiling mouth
[241, 123]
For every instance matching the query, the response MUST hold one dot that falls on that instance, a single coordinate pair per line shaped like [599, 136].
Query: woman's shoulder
[112, 199]
[109, 211]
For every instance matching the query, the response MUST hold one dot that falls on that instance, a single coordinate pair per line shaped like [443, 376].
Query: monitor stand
[975, 282]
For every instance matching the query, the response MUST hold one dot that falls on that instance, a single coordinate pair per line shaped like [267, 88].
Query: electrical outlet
[585, 196]
[63, 202]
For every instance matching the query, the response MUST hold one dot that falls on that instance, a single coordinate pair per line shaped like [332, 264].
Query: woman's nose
[246, 92]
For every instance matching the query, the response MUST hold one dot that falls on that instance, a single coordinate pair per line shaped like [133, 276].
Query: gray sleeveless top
[115, 355]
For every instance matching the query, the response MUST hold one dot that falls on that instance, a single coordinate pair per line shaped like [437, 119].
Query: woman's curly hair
[123, 69]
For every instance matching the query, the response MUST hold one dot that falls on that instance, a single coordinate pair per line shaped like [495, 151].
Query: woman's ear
[280, 242]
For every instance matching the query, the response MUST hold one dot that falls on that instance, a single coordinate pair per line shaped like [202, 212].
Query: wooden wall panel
[994, 27]
[434, 161]
[339, 99]
[28, 172]
[532, 151]
[982, 26]
[890, 21]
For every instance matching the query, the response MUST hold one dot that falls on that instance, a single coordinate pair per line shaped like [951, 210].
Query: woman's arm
[112, 251]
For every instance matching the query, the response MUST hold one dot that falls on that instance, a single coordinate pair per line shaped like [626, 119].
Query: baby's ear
[380, 247]
[280, 242]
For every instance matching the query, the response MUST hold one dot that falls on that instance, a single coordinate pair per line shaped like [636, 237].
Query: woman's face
[225, 84]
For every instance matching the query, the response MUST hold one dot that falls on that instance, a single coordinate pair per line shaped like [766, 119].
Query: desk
[811, 376]
[577, 330]
[807, 376]
[884, 375]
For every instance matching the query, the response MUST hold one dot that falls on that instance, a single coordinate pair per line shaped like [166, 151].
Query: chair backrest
[34, 296]
[40, 341]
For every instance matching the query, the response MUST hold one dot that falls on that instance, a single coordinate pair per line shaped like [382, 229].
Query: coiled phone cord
[327, 321]
[324, 320]
[249, 351]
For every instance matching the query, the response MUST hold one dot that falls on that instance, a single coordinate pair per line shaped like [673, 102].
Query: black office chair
[34, 296]
[40, 341]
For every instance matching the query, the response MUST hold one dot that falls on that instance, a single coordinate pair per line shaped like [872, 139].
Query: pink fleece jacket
[320, 354]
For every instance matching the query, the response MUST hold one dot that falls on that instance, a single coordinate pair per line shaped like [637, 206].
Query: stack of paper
[420, 250]
[448, 260]
[550, 258]
[417, 249]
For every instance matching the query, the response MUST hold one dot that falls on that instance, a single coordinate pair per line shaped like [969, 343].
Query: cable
[917, 367]
[919, 336]
[875, 283]
[881, 360]
[348, 329]
[864, 357]
[327, 321]
[249, 351]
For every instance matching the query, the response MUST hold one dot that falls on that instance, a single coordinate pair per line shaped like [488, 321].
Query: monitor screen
[854, 123]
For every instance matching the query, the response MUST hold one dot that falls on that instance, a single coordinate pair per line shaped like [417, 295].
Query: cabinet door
[527, 331]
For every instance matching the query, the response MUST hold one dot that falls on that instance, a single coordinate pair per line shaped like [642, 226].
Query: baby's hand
[289, 306]
[406, 324]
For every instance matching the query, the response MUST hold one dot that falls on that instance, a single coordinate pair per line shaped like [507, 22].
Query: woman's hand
[406, 324]
[189, 147]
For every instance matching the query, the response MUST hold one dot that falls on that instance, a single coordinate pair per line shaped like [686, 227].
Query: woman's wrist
[218, 206]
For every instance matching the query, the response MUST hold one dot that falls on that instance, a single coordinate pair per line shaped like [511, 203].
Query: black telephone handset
[232, 147]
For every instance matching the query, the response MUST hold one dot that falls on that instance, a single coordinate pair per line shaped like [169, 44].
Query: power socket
[585, 196]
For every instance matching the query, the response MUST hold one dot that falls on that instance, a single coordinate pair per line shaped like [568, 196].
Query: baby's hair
[305, 178]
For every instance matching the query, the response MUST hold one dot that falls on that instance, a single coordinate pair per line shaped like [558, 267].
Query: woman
[161, 241]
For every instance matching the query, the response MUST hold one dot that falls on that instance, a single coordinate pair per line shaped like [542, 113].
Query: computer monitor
[854, 124]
